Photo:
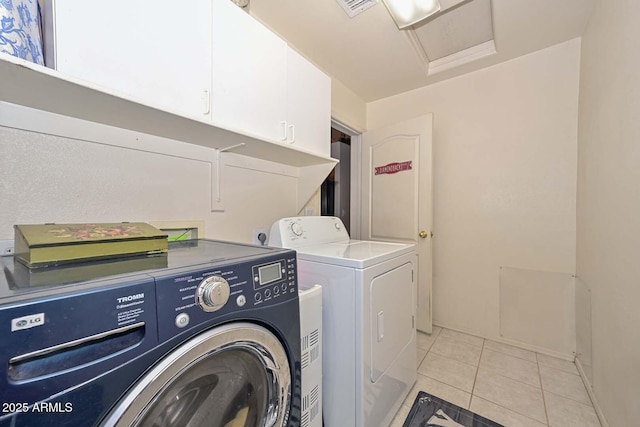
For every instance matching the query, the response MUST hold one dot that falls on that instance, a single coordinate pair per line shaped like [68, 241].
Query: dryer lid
[325, 239]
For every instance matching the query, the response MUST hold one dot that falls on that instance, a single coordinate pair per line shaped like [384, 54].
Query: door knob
[423, 234]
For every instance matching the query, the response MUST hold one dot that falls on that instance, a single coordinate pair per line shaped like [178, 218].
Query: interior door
[397, 196]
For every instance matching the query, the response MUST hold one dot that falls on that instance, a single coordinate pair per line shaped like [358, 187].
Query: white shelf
[35, 86]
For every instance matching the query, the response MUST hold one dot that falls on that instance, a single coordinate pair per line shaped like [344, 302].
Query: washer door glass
[227, 388]
[235, 375]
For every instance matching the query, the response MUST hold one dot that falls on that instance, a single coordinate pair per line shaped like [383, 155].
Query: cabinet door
[249, 74]
[156, 53]
[308, 105]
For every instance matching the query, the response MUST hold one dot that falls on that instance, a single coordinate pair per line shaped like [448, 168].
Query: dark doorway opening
[335, 191]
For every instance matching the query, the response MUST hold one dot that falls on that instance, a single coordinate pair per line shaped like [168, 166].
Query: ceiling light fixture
[407, 13]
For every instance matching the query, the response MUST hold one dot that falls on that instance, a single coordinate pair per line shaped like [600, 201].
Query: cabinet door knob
[423, 234]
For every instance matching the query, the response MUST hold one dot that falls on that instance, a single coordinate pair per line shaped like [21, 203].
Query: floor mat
[428, 410]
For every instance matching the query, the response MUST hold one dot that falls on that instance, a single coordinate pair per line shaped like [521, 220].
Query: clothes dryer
[369, 334]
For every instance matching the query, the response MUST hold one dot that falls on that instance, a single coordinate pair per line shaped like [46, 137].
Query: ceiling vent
[356, 7]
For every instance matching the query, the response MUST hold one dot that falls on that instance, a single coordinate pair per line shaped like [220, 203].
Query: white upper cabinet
[263, 87]
[157, 53]
[308, 105]
[206, 60]
[249, 74]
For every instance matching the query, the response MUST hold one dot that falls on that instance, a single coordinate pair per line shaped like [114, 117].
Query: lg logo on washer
[27, 322]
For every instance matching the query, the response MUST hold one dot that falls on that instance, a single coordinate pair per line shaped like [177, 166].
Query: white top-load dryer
[368, 300]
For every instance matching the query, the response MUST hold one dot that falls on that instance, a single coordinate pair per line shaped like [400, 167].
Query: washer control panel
[274, 279]
[191, 297]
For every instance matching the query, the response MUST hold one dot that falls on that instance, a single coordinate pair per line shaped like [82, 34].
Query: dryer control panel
[296, 232]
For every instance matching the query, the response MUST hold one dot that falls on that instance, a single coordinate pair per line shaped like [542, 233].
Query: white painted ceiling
[369, 55]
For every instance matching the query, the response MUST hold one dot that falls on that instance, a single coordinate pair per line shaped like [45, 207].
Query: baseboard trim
[591, 394]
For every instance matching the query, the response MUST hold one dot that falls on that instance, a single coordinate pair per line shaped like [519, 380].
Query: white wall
[608, 209]
[504, 177]
[347, 107]
[58, 169]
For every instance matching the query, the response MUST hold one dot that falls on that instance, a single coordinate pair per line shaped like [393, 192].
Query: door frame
[356, 168]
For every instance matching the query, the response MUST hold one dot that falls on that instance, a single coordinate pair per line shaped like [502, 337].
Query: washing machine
[368, 315]
[207, 335]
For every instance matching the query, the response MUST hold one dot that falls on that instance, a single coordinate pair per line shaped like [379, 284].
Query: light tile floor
[512, 386]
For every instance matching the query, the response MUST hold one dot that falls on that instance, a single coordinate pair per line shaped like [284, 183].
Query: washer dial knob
[213, 293]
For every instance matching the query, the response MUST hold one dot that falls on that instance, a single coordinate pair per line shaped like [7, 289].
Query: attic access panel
[457, 36]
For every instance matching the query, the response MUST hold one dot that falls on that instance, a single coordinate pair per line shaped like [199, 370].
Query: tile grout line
[544, 399]
[512, 409]
[522, 359]
[462, 341]
[444, 383]
[510, 378]
[458, 341]
[440, 355]
[521, 382]
[571, 399]
[499, 405]
[454, 359]
[476, 376]
[550, 366]
[517, 380]
[435, 337]
[560, 370]
[475, 379]
[564, 395]
[512, 355]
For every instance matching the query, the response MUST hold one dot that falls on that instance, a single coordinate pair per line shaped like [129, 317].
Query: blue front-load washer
[208, 335]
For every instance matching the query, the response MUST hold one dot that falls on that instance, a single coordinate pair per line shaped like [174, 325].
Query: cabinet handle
[292, 128]
[284, 130]
[206, 103]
